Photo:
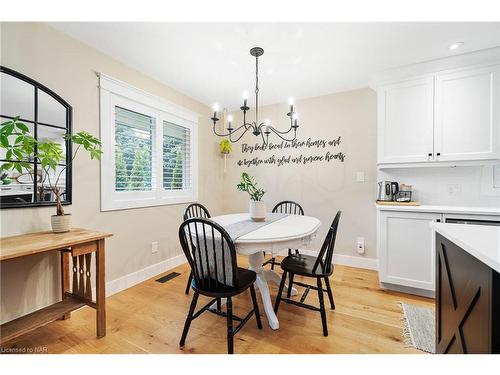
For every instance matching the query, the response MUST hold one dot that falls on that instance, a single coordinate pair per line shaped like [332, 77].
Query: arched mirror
[48, 117]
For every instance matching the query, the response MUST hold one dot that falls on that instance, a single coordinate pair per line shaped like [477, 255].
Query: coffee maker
[387, 190]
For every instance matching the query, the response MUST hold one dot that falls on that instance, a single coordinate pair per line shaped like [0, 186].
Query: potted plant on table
[257, 208]
[49, 155]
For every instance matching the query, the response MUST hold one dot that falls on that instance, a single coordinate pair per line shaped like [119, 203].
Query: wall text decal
[280, 160]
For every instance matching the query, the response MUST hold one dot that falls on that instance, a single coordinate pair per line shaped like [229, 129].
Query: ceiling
[211, 62]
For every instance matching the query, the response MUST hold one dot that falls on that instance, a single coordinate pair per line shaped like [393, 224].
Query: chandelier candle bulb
[245, 98]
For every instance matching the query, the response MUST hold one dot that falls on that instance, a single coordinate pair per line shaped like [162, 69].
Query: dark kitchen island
[467, 288]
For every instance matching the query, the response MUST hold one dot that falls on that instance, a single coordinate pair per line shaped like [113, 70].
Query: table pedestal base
[263, 276]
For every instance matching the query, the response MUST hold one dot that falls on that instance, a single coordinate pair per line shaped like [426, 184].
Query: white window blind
[149, 149]
[133, 150]
[176, 157]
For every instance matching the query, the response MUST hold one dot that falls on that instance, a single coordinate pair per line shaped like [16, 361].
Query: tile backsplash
[453, 186]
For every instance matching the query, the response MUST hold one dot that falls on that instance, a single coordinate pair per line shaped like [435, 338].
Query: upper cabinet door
[405, 121]
[467, 113]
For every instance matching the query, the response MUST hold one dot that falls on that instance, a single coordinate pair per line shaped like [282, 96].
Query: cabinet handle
[430, 154]
[438, 220]
[438, 154]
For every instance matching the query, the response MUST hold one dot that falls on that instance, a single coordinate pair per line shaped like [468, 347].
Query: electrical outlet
[360, 245]
[154, 247]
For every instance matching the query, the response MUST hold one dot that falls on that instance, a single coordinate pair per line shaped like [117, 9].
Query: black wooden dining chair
[319, 267]
[285, 207]
[194, 210]
[211, 254]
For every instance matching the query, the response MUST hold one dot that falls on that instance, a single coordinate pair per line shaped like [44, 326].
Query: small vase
[61, 223]
[257, 210]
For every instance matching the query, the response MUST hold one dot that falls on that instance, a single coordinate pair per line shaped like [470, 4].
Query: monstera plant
[20, 148]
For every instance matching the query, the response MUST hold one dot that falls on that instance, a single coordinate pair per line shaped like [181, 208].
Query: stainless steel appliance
[473, 222]
[384, 191]
[394, 190]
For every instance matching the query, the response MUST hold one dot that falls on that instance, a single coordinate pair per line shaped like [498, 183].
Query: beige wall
[67, 66]
[321, 188]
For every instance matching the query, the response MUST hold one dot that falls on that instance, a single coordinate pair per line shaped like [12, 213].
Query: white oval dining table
[289, 232]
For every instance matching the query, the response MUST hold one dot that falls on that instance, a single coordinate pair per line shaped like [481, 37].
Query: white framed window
[149, 149]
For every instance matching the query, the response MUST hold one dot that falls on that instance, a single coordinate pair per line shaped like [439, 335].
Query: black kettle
[394, 190]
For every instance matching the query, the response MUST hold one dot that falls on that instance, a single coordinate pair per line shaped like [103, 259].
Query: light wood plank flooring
[148, 318]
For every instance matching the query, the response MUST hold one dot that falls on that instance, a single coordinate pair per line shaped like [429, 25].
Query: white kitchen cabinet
[406, 249]
[405, 121]
[466, 115]
[447, 116]
[406, 244]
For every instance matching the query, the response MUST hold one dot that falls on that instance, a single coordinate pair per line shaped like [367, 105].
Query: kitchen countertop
[444, 209]
[480, 241]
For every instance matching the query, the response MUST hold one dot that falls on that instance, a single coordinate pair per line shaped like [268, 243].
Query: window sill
[145, 203]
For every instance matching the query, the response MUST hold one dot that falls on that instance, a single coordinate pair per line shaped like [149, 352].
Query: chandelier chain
[256, 90]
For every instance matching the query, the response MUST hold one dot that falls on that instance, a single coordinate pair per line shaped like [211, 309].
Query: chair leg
[219, 304]
[230, 344]
[330, 294]
[255, 307]
[189, 319]
[188, 286]
[280, 290]
[273, 261]
[322, 307]
[290, 284]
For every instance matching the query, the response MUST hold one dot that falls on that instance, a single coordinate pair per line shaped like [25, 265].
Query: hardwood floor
[148, 318]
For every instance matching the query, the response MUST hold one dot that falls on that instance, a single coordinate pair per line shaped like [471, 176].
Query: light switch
[154, 247]
[360, 176]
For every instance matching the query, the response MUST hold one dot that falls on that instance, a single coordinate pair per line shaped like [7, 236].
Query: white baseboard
[348, 260]
[358, 262]
[134, 278]
[137, 277]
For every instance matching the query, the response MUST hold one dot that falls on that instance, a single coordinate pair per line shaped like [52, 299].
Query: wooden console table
[77, 243]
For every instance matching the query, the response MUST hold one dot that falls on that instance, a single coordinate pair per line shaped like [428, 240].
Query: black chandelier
[262, 129]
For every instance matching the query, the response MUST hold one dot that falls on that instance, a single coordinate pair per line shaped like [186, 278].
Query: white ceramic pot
[257, 210]
[61, 224]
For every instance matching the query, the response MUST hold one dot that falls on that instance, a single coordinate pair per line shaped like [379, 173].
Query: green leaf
[6, 123]
[18, 154]
[4, 141]
[22, 127]
[8, 129]
[6, 166]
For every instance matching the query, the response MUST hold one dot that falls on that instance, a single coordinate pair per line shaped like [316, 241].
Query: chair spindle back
[288, 207]
[196, 210]
[210, 252]
[325, 255]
